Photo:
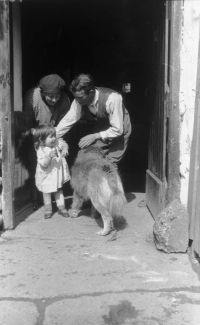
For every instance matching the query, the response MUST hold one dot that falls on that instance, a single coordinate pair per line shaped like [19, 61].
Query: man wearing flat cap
[47, 103]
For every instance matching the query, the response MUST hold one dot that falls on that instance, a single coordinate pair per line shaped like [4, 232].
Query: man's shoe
[63, 212]
[48, 215]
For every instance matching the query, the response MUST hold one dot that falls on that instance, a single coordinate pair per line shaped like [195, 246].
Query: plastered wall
[188, 63]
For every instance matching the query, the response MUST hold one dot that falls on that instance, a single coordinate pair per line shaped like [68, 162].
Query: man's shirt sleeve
[72, 116]
[115, 112]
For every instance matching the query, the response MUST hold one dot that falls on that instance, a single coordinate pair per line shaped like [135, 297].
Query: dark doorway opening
[112, 40]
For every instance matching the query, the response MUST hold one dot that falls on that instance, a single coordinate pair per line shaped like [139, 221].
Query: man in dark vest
[102, 119]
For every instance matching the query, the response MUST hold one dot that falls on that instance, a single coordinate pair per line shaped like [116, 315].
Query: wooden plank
[155, 194]
[173, 178]
[6, 119]
[155, 175]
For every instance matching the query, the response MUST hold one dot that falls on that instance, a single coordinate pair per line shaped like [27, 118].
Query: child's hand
[53, 153]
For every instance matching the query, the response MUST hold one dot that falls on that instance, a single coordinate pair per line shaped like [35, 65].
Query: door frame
[6, 118]
[194, 176]
[169, 192]
[173, 147]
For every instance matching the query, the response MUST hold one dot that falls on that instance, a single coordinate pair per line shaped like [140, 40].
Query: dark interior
[113, 40]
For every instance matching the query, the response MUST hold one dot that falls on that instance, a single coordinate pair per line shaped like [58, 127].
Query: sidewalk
[59, 272]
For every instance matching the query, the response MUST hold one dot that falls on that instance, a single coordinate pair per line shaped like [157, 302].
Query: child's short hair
[40, 134]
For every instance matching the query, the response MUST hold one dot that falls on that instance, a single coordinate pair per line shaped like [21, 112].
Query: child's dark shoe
[63, 212]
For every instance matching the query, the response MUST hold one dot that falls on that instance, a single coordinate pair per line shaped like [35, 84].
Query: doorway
[115, 42]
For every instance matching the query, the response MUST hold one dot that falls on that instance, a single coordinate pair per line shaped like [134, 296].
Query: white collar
[96, 98]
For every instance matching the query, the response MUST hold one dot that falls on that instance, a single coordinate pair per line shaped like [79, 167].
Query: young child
[52, 170]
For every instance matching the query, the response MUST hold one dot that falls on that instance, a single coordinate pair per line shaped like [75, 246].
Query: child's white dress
[51, 173]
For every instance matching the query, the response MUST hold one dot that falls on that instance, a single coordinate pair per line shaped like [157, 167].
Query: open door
[155, 174]
[162, 176]
[22, 197]
[13, 174]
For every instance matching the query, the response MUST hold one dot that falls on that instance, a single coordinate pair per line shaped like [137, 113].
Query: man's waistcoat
[100, 121]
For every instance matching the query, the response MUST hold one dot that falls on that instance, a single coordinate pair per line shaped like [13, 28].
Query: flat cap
[51, 84]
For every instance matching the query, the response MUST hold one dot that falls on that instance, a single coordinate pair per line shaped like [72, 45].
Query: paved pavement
[59, 272]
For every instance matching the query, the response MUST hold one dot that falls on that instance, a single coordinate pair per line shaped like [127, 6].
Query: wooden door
[22, 199]
[6, 118]
[162, 176]
[155, 174]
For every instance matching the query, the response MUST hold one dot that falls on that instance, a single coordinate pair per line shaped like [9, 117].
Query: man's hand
[88, 140]
[63, 146]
